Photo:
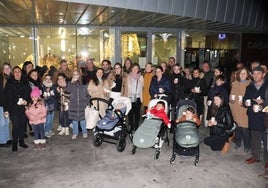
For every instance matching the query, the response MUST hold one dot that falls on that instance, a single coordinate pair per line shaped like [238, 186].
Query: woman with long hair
[98, 87]
[220, 122]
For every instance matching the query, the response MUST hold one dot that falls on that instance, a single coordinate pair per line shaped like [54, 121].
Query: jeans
[242, 133]
[4, 127]
[39, 131]
[64, 119]
[83, 127]
[49, 121]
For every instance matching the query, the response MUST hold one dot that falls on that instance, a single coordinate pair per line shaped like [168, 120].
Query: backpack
[187, 134]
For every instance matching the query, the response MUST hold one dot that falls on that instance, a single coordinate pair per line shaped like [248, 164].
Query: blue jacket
[255, 120]
[164, 83]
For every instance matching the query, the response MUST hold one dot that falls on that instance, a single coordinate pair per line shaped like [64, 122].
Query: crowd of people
[30, 96]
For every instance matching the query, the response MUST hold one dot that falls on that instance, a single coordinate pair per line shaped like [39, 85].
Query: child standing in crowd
[64, 104]
[50, 100]
[189, 115]
[79, 99]
[36, 113]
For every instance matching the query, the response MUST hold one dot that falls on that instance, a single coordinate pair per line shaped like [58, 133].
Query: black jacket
[224, 120]
[13, 91]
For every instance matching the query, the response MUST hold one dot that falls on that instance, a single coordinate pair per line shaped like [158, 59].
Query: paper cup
[248, 102]
[256, 108]
[232, 97]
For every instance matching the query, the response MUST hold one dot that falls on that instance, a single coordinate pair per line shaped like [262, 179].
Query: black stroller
[186, 138]
[112, 127]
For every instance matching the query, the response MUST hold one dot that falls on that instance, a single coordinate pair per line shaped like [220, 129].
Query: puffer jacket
[164, 83]
[79, 99]
[36, 113]
[224, 120]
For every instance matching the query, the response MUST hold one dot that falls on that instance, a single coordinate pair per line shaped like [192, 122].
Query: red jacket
[161, 114]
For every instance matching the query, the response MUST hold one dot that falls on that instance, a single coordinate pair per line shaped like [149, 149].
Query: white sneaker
[71, 126]
[74, 137]
[67, 132]
[84, 135]
[47, 135]
[62, 131]
[59, 128]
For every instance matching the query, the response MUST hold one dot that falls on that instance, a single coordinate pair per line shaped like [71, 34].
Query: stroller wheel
[172, 159]
[156, 154]
[121, 145]
[134, 150]
[97, 140]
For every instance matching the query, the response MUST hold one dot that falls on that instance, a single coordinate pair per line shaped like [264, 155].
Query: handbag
[91, 116]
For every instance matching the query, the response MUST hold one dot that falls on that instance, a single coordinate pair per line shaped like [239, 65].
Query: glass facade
[48, 45]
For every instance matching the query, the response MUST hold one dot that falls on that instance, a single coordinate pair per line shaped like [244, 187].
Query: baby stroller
[113, 125]
[151, 132]
[186, 138]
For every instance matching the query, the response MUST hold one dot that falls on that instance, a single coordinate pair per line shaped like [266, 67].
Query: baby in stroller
[113, 124]
[186, 136]
[152, 131]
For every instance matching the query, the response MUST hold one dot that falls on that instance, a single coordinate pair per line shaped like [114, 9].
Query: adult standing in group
[135, 85]
[97, 88]
[253, 99]
[239, 111]
[177, 83]
[208, 77]
[89, 71]
[4, 120]
[171, 63]
[17, 95]
[160, 85]
[117, 81]
[26, 68]
[127, 65]
[79, 99]
[196, 89]
[148, 74]
[107, 67]
[63, 69]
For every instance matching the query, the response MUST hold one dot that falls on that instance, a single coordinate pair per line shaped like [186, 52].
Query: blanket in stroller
[147, 132]
[110, 119]
[187, 134]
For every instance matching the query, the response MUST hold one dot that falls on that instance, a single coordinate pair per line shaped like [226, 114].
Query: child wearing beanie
[36, 113]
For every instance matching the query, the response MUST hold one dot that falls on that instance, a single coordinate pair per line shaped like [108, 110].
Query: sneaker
[84, 135]
[71, 125]
[59, 128]
[47, 135]
[51, 133]
[74, 137]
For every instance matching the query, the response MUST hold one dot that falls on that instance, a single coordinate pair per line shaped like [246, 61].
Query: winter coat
[13, 91]
[164, 83]
[255, 119]
[36, 113]
[97, 91]
[177, 89]
[145, 92]
[239, 112]
[160, 114]
[79, 99]
[224, 120]
[134, 90]
[219, 89]
[114, 78]
[198, 97]
[49, 94]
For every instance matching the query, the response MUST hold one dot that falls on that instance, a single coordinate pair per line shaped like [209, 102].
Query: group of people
[29, 98]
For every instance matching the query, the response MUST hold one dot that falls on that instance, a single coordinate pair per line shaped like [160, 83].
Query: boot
[22, 144]
[14, 146]
[62, 131]
[67, 131]
[43, 143]
[36, 144]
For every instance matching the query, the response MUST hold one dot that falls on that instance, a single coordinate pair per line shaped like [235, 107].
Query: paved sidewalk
[77, 163]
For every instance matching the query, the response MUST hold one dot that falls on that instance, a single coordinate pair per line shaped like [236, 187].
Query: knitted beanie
[35, 92]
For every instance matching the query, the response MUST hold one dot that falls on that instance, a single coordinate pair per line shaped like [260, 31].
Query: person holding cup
[160, 84]
[239, 112]
[255, 93]
[220, 122]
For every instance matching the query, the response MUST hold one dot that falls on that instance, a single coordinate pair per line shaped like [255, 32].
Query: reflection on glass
[164, 45]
